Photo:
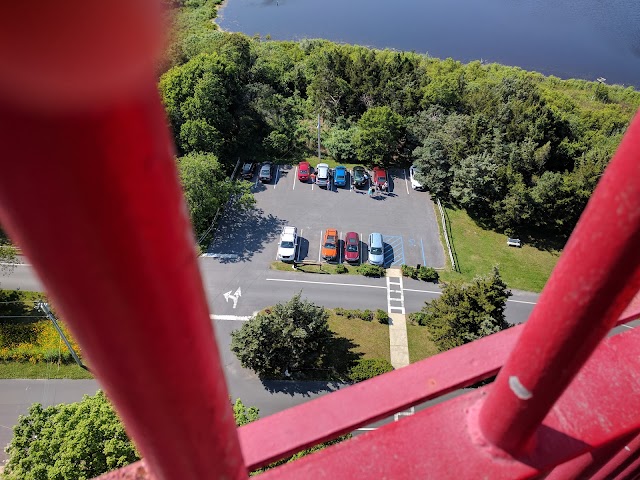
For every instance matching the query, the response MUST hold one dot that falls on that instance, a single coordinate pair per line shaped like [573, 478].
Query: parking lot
[404, 217]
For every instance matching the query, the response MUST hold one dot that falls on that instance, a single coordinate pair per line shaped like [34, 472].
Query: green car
[359, 176]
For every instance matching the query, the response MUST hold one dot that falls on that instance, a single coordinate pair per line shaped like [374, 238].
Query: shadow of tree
[242, 234]
[304, 388]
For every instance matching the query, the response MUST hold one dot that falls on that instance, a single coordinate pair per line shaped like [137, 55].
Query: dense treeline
[519, 151]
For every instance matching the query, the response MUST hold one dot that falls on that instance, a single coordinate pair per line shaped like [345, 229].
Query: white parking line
[320, 249]
[440, 293]
[341, 250]
[294, 179]
[323, 283]
[15, 264]
[257, 180]
[405, 181]
[626, 326]
[231, 317]
[277, 176]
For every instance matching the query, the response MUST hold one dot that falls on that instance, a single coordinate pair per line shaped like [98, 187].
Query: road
[260, 287]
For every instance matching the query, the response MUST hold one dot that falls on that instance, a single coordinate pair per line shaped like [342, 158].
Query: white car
[288, 244]
[322, 175]
[415, 184]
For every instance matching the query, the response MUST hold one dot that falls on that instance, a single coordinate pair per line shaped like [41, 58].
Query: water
[567, 38]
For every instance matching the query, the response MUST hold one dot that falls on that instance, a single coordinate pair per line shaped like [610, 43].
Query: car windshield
[304, 172]
[382, 179]
[286, 244]
[352, 248]
[265, 170]
[247, 167]
[329, 244]
[376, 251]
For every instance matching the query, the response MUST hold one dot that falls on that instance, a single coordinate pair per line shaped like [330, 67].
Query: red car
[304, 170]
[351, 247]
[379, 176]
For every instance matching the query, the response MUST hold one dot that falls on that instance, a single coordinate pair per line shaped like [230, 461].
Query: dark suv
[248, 169]
[359, 176]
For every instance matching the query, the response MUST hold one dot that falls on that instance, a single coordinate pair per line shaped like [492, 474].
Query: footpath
[398, 341]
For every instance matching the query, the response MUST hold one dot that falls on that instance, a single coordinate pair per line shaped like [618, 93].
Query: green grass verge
[371, 339]
[41, 370]
[420, 344]
[313, 161]
[327, 268]
[478, 250]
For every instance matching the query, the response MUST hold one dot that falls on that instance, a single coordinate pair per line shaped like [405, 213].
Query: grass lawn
[41, 370]
[371, 339]
[313, 161]
[478, 250]
[420, 344]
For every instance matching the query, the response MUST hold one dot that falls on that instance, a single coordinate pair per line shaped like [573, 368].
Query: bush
[408, 271]
[369, 368]
[366, 315]
[340, 311]
[341, 269]
[382, 316]
[369, 270]
[417, 318]
[428, 274]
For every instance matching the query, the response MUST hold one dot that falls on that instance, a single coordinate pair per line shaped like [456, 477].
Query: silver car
[322, 175]
[376, 249]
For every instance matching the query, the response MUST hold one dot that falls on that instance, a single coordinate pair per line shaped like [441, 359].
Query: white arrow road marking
[234, 297]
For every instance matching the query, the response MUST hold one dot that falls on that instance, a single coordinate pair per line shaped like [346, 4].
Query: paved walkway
[398, 341]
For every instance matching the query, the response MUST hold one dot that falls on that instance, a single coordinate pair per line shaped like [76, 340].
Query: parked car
[248, 169]
[265, 173]
[379, 176]
[304, 171]
[359, 176]
[376, 249]
[352, 247]
[288, 244]
[340, 176]
[322, 175]
[330, 245]
[415, 184]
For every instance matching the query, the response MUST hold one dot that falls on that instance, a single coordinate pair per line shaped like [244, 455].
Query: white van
[322, 175]
[376, 249]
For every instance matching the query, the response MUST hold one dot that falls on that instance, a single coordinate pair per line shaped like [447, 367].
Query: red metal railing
[89, 191]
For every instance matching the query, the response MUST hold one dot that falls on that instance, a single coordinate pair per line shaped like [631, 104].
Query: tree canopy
[465, 126]
[290, 337]
[78, 441]
[466, 312]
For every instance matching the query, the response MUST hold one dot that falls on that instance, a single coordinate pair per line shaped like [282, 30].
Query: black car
[265, 173]
[248, 169]
[359, 176]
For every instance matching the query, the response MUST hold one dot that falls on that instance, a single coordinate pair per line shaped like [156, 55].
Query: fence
[454, 267]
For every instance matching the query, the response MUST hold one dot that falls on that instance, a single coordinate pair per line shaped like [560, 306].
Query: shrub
[341, 269]
[417, 318]
[427, 274]
[382, 316]
[369, 270]
[369, 368]
[408, 271]
[366, 315]
[340, 311]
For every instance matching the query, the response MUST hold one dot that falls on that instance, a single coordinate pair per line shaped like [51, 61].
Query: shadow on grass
[21, 319]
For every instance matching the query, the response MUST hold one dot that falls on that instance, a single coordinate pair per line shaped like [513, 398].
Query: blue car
[340, 176]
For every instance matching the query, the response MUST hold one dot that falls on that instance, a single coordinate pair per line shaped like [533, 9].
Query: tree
[69, 441]
[8, 254]
[380, 132]
[290, 337]
[467, 312]
[207, 189]
[476, 184]
[78, 440]
[340, 144]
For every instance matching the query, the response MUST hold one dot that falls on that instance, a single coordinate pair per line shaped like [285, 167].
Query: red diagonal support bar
[440, 442]
[595, 279]
[89, 191]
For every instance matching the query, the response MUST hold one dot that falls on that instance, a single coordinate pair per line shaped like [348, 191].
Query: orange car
[330, 244]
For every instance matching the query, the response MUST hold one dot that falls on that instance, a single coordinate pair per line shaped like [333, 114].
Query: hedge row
[366, 315]
[426, 274]
[369, 368]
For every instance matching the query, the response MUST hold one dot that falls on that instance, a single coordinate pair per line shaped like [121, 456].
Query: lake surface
[567, 38]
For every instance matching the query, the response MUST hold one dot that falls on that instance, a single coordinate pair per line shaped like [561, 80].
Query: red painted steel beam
[631, 472]
[623, 458]
[596, 277]
[284, 433]
[89, 191]
[586, 465]
[443, 441]
[324, 418]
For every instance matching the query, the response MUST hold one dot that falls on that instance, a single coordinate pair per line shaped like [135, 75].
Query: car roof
[351, 234]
